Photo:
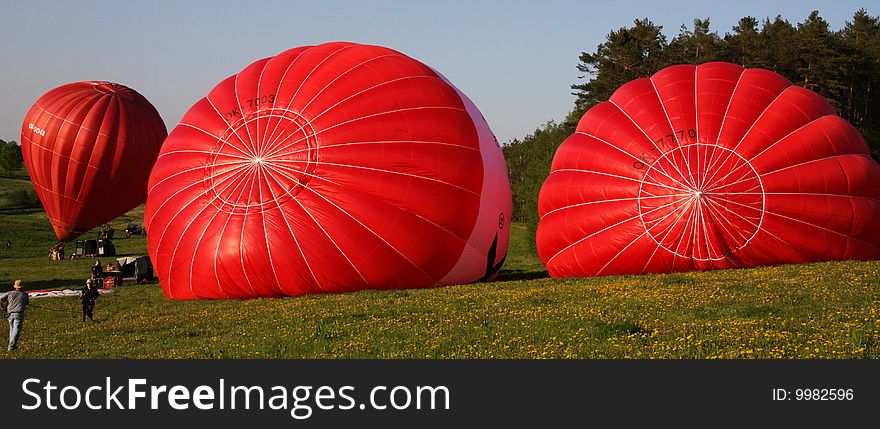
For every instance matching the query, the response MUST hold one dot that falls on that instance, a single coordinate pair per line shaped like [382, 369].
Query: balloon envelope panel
[89, 148]
[706, 167]
[327, 168]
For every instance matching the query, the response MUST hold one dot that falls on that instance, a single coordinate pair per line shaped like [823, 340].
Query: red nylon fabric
[707, 167]
[330, 168]
[89, 148]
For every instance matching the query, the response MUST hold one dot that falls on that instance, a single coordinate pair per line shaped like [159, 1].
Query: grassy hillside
[827, 310]
[10, 185]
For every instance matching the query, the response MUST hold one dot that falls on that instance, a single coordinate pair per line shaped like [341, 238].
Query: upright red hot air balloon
[328, 168]
[705, 167]
[89, 148]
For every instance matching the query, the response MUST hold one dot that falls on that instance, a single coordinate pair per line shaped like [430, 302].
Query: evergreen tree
[743, 46]
[627, 54]
[694, 47]
[777, 47]
[861, 39]
[819, 59]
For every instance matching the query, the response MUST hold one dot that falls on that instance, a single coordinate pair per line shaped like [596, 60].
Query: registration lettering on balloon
[232, 114]
[677, 137]
[37, 130]
[706, 167]
[660, 145]
[256, 102]
[644, 159]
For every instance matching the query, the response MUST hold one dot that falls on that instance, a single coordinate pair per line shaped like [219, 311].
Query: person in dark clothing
[98, 272]
[88, 294]
[97, 269]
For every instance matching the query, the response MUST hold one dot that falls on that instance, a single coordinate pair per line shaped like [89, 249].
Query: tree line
[10, 157]
[842, 65]
[11, 164]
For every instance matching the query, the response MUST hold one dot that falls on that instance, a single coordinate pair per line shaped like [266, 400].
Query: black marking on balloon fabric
[232, 114]
[492, 269]
[256, 102]
[691, 134]
[677, 138]
[645, 160]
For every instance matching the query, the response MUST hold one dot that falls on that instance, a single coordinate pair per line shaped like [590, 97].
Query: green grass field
[826, 310]
[8, 185]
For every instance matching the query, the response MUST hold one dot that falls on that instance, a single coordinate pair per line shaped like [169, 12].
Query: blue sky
[514, 59]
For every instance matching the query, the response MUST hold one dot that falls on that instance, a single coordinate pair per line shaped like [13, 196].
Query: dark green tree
[626, 54]
[694, 47]
[861, 40]
[743, 46]
[820, 60]
[777, 47]
[10, 157]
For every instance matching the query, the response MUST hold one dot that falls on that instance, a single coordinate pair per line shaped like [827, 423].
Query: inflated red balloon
[330, 168]
[89, 148]
[705, 167]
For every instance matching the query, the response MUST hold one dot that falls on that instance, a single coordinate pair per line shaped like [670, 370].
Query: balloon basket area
[94, 248]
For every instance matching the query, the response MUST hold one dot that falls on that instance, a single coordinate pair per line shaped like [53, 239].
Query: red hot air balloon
[706, 167]
[89, 148]
[328, 168]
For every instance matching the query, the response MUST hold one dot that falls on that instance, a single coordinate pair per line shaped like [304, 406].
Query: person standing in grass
[16, 301]
[89, 295]
[97, 269]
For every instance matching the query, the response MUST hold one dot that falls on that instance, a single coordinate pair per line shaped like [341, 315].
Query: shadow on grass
[33, 285]
[20, 210]
[513, 275]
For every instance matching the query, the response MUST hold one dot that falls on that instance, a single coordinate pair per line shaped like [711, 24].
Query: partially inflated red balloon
[705, 167]
[89, 148]
[330, 168]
